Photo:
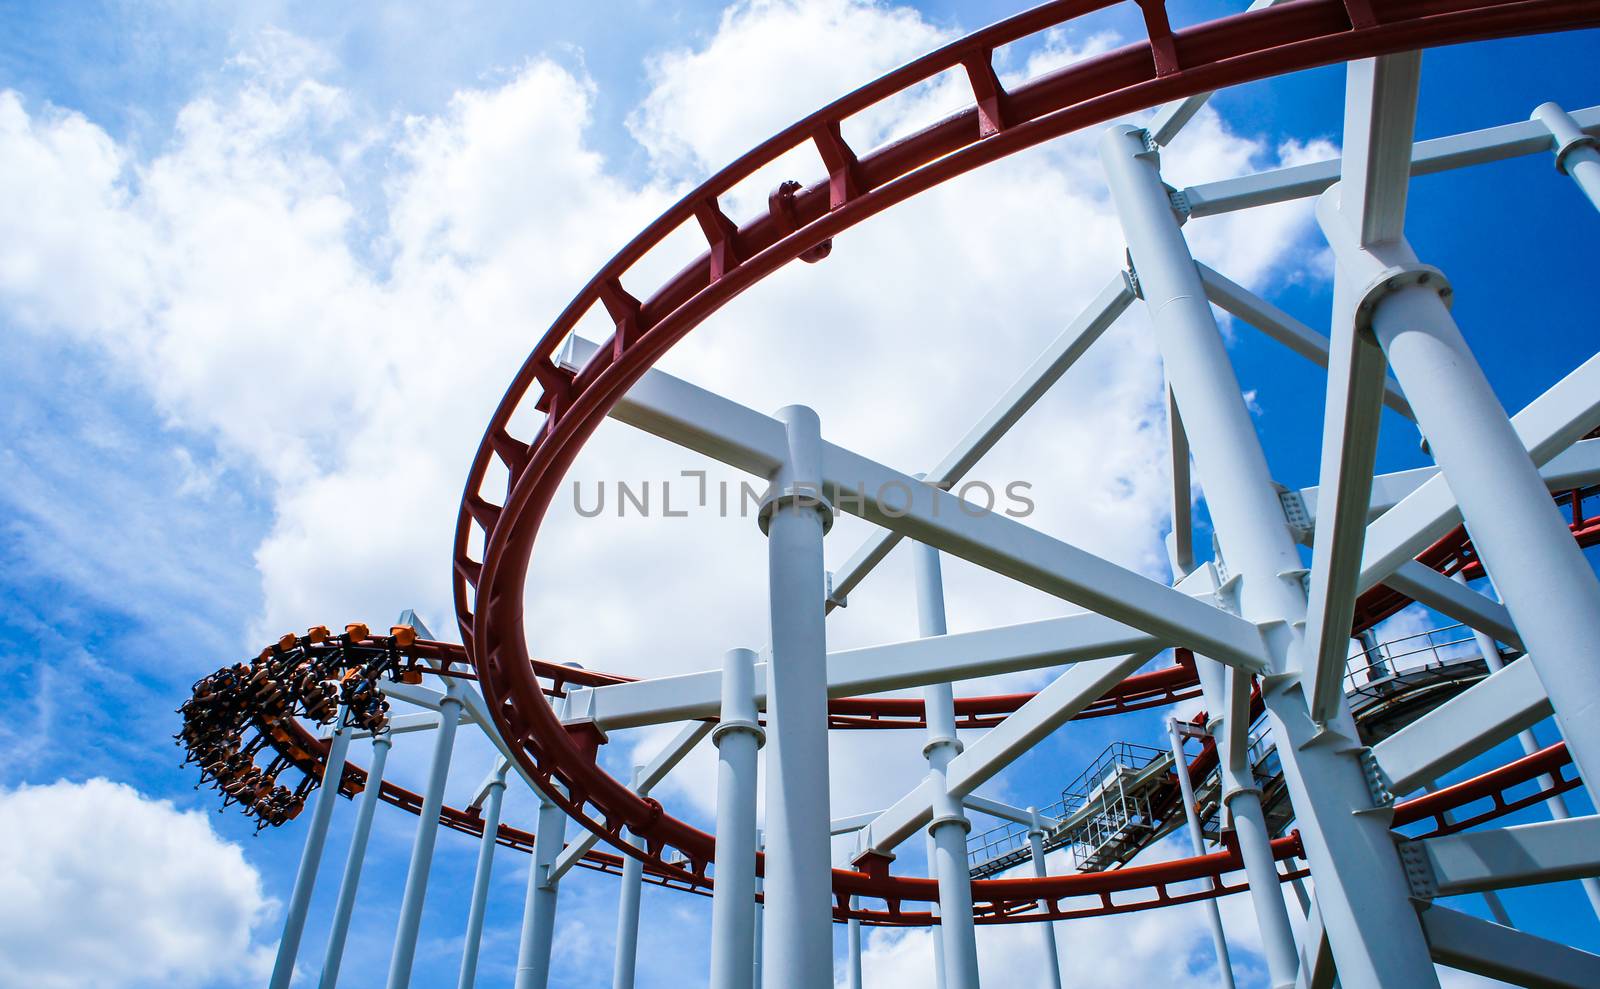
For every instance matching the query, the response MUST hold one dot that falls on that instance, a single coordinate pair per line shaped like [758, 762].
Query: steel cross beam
[1519, 855]
[1032, 722]
[722, 429]
[1578, 467]
[1432, 588]
[1465, 942]
[1278, 325]
[874, 669]
[1006, 812]
[1467, 725]
[1281, 185]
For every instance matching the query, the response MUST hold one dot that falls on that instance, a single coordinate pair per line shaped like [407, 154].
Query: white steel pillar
[305, 878]
[344, 907]
[1047, 928]
[1219, 940]
[799, 910]
[1556, 803]
[539, 909]
[1575, 151]
[1241, 801]
[1540, 572]
[416, 889]
[937, 938]
[480, 878]
[949, 827]
[737, 737]
[1361, 888]
[852, 969]
[759, 914]
[629, 891]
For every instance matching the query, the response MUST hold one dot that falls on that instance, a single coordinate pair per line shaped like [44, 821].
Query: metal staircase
[1126, 800]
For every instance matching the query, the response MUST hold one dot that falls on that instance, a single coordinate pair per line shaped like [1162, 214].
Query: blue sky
[235, 221]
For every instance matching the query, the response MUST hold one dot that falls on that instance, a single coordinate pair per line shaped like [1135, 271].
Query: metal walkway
[1127, 799]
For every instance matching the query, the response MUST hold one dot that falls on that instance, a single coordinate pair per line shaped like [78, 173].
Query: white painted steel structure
[1255, 614]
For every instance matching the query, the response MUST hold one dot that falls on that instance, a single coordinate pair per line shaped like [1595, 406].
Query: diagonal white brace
[1045, 712]
[1239, 301]
[874, 669]
[1453, 600]
[741, 437]
[1467, 725]
[1465, 942]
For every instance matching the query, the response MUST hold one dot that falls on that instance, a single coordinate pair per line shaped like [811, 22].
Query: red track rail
[801, 223]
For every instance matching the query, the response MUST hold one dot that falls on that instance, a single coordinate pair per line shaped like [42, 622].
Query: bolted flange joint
[798, 480]
[729, 727]
[942, 819]
[1397, 278]
[801, 495]
[933, 743]
[1565, 133]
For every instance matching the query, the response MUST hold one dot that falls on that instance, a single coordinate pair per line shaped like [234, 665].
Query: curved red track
[1171, 65]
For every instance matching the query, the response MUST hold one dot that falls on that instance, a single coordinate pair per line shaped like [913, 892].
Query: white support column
[1361, 887]
[937, 940]
[947, 832]
[1047, 928]
[305, 878]
[1180, 540]
[629, 891]
[345, 905]
[737, 737]
[1241, 801]
[852, 969]
[1541, 574]
[480, 878]
[759, 914]
[1219, 939]
[799, 913]
[416, 889]
[1556, 804]
[1575, 151]
[539, 909]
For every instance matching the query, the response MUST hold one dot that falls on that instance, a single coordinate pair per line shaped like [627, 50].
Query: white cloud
[102, 888]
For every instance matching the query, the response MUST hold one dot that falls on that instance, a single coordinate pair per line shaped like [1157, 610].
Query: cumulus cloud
[103, 888]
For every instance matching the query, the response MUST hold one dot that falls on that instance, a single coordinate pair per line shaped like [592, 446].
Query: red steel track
[802, 222]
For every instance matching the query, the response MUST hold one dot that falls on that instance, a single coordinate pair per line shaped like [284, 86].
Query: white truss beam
[1006, 812]
[1519, 855]
[875, 669]
[1048, 710]
[1458, 601]
[1462, 728]
[1238, 301]
[741, 437]
[1578, 467]
[1470, 944]
[1442, 154]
